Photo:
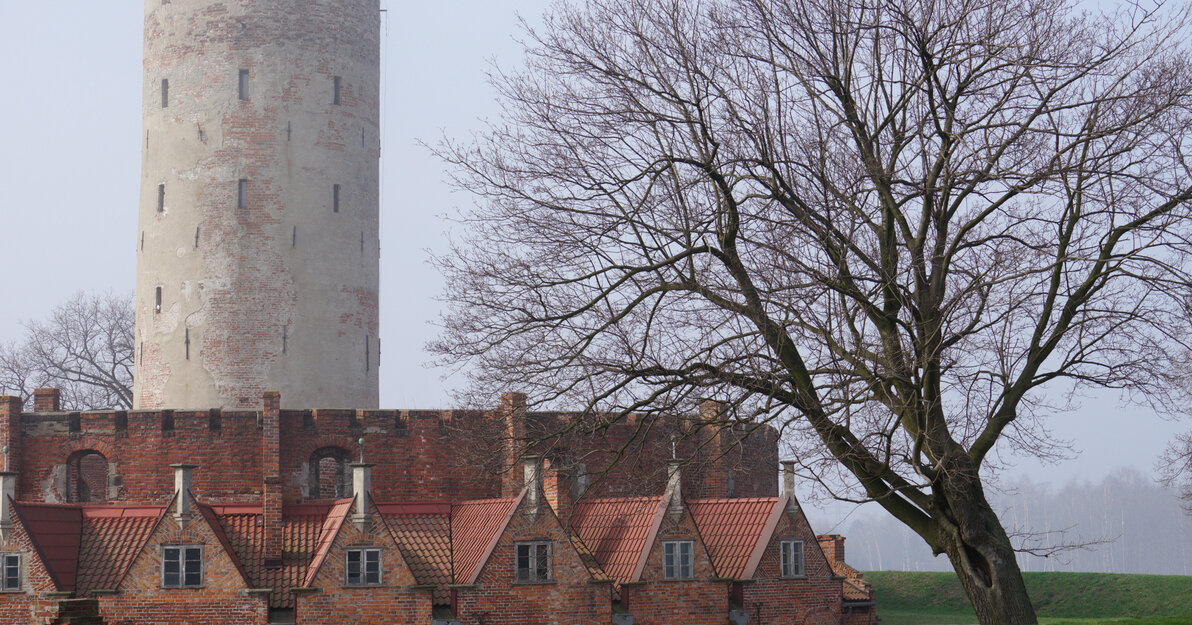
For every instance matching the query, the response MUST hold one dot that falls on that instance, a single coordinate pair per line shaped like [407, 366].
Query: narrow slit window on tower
[243, 84]
[242, 193]
[142, 240]
[335, 99]
[188, 343]
[294, 237]
[196, 237]
[157, 301]
[285, 338]
[161, 198]
[165, 97]
[335, 198]
[367, 364]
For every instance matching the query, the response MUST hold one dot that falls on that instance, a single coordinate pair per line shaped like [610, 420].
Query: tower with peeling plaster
[257, 247]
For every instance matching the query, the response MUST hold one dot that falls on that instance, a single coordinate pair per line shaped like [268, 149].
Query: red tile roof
[475, 528]
[55, 531]
[423, 535]
[618, 532]
[736, 531]
[331, 524]
[87, 547]
[302, 528]
[112, 538]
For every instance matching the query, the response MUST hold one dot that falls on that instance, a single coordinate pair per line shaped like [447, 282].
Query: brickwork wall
[392, 602]
[426, 455]
[701, 600]
[813, 599]
[141, 446]
[221, 599]
[568, 599]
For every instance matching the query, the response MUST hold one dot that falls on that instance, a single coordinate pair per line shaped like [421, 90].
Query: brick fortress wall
[420, 455]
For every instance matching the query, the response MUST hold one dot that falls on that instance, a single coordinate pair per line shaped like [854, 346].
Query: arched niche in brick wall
[327, 474]
[89, 478]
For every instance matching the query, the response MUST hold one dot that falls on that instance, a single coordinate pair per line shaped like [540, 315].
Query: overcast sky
[70, 168]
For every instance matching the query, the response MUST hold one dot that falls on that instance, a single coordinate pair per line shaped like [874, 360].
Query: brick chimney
[513, 438]
[361, 490]
[47, 400]
[714, 446]
[11, 433]
[271, 491]
[556, 488]
[183, 481]
[833, 546]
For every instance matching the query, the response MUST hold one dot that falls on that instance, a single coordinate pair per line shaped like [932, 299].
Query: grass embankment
[1060, 598]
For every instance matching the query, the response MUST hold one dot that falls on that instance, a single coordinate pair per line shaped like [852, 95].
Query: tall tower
[258, 253]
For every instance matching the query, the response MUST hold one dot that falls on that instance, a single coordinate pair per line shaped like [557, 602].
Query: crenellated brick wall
[428, 455]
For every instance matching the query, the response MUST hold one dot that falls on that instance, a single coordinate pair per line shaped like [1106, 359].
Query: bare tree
[895, 228]
[85, 349]
[1175, 468]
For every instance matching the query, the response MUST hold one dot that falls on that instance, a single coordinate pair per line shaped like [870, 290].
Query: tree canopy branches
[885, 226]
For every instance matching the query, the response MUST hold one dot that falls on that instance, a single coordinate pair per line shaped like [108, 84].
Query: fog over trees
[1126, 522]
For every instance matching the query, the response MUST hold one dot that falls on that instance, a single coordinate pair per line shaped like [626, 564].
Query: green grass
[905, 598]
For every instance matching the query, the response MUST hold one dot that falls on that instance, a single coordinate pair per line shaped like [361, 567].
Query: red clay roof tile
[732, 529]
[475, 527]
[617, 531]
[112, 538]
[303, 524]
[423, 535]
[55, 531]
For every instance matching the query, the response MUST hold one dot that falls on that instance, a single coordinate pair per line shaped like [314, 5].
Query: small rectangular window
[792, 558]
[242, 193]
[157, 301]
[363, 567]
[335, 98]
[161, 198]
[533, 562]
[335, 198]
[243, 85]
[165, 96]
[11, 563]
[182, 566]
[677, 559]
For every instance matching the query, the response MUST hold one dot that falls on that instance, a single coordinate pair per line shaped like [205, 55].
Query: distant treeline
[1125, 524]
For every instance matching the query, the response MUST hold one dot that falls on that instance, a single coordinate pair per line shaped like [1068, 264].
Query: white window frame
[366, 573]
[538, 553]
[180, 555]
[674, 566]
[792, 567]
[9, 562]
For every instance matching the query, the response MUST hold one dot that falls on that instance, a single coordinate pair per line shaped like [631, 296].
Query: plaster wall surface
[273, 283]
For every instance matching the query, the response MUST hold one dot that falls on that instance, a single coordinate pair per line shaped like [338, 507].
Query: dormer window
[182, 566]
[677, 558]
[792, 558]
[362, 567]
[10, 570]
[533, 562]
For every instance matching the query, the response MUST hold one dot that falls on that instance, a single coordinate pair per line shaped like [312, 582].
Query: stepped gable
[422, 532]
[305, 534]
[618, 532]
[475, 528]
[736, 531]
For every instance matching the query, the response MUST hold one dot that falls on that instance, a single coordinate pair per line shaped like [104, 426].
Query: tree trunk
[978, 547]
